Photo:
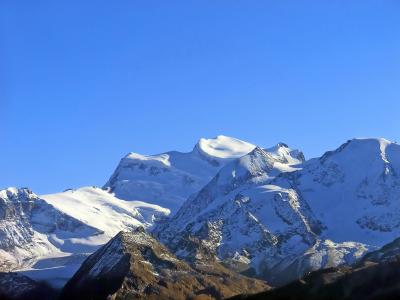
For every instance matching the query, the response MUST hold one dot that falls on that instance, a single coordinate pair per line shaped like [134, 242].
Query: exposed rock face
[255, 228]
[388, 253]
[273, 215]
[267, 213]
[27, 224]
[48, 237]
[136, 266]
[375, 276]
[28, 212]
[371, 281]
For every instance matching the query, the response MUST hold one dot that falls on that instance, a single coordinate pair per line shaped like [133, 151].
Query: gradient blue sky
[82, 84]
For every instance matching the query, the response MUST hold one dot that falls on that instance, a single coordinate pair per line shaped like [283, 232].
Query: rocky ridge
[136, 266]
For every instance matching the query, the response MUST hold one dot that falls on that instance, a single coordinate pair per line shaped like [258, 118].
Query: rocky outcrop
[14, 286]
[388, 253]
[136, 266]
[29, 227]
[275, 216]
[371, 281]
[375, 276]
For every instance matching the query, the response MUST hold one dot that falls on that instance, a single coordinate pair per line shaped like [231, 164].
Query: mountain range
[228, 210]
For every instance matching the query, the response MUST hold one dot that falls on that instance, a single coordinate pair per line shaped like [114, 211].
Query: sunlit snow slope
[48, 237]
[105, 212]
[168, 179]
[267, 214]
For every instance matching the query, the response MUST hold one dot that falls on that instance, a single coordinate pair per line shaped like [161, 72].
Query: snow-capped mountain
[134, 265]
[31, 228]
[48, 237]
[263, 212]
[355, 190]
[168, 179]
[280, 218]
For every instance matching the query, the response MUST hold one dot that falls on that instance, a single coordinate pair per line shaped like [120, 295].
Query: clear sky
[82, 83]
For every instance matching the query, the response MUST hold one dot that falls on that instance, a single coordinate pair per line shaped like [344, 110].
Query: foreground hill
[375, 277]
[136, 266]
[15, 286]
[371, 282]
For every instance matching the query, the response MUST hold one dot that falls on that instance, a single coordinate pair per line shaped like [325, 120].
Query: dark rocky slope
[14, 286]
[369, 279]
[136, 266]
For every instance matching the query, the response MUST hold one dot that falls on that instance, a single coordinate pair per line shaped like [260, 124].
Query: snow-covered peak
[257, 167]
[263, 163]
[359, 181]
[57, 231]
[17, 194]
[363, 149]
[161, 160]
[283, 153]
[291, 218]
[366, 157]
[168, 179]
[223, 147]
[254, 164]
[379, 140]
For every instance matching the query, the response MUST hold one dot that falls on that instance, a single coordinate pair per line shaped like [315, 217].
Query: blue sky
[82, 84]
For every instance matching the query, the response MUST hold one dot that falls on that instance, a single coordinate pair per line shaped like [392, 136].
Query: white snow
[103, 211]
[152, 160]
[168, 179]
[324, 212]
[266, 208]
[224, 147]
[49, 238]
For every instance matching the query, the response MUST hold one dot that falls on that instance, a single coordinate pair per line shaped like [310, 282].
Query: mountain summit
[280, 217]
[223, 147]
[167, 179]
[237, 207]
